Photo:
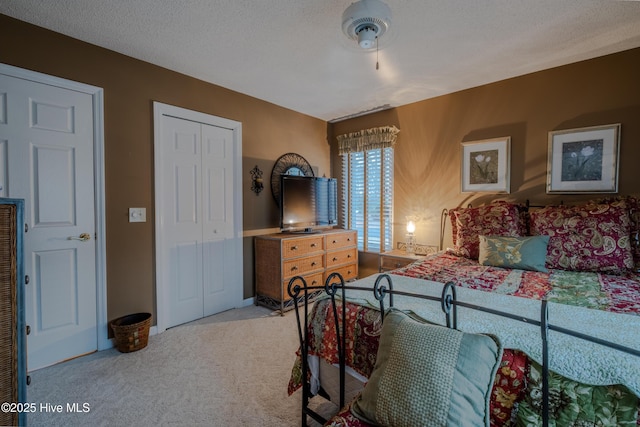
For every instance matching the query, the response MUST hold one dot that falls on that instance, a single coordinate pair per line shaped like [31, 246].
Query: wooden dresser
[281, 256]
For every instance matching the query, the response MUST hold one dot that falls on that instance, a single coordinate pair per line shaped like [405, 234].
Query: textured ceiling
[293, 52]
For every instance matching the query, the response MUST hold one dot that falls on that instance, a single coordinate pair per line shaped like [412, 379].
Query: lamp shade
[411, 227]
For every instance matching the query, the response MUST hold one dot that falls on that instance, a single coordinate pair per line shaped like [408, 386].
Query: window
[367, 189]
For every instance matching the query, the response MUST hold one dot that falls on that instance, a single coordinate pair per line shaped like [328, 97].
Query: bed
[578, 262]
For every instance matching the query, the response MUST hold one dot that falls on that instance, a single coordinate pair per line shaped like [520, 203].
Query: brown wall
[427, 158]
[601, 91]
[130, 86]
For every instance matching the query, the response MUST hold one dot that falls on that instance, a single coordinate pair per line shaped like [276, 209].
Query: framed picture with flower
[486, 165]
[584, 160]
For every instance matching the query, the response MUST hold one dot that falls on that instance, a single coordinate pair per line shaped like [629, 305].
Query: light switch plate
[137, 214]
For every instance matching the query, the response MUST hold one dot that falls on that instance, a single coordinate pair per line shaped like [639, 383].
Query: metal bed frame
[383, 287]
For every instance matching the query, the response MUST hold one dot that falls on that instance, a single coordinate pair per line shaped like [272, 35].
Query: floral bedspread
[618, 294]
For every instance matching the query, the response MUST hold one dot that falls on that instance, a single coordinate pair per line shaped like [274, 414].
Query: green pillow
[429, 375]
[524, 253]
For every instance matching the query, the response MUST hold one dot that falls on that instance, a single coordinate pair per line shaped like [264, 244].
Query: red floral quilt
[607, 292]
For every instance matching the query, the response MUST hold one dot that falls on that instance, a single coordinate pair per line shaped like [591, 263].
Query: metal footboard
[383, 292]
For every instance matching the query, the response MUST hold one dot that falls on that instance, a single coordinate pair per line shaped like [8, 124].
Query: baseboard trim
[153, 330]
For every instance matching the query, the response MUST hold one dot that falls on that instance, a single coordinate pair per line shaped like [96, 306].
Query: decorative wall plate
[288, 164]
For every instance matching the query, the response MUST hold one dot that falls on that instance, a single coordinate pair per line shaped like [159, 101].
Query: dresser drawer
[348, 272]
[282, 256]
[314, 279]
[292, 248]
[302, 266]
[341, 240]
[337, 258]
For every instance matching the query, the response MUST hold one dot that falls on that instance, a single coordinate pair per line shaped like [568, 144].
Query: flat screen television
[308, 203]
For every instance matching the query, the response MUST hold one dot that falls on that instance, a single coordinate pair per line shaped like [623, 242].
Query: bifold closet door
[198, 218]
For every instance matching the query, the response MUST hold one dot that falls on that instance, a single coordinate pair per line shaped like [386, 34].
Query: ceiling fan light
[367, 37]
[366, 20]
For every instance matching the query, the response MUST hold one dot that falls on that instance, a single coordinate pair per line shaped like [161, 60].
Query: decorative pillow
[496, 219]
[429, 375]
[633, 205]
[591, 237]
[524, 253]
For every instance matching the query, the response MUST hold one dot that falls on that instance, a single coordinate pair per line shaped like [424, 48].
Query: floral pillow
[633, 204]
[496, 219]
[591, 237]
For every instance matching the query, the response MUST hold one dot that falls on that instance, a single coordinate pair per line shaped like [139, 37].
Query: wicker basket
[131, 332]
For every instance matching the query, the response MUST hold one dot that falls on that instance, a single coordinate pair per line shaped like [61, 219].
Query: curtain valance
[367, 139]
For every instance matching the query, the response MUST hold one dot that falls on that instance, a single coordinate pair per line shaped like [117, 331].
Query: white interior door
[197, 246]
[47, 140]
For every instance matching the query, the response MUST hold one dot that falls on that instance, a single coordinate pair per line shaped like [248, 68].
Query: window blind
[367, 186]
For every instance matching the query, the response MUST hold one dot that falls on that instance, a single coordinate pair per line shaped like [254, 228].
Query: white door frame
[97, 95]
[162, 282]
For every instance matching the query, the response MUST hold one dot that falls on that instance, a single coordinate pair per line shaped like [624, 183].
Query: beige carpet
[230, 369]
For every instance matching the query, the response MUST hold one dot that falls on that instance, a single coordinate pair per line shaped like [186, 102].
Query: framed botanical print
[584, 160]
[486, 165]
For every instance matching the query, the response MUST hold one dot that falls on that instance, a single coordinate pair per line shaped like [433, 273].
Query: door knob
[83, 237]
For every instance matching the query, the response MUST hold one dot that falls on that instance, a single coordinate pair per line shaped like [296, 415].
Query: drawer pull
[313, 264]
[294, 268]
[335, 241]
[335, 259]
[313, 245]
[315, 282]
[349, 256]
[294, 248]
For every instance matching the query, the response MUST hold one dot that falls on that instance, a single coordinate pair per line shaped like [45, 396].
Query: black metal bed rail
[302, 295]
[448, 304]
